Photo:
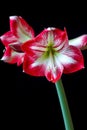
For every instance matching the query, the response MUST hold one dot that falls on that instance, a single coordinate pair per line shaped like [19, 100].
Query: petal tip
[23, 71]
[50, 28]
[1, 37]
[13, 17]
[3, 58]
[82, 67]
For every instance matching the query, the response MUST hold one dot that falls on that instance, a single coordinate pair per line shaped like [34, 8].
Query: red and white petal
[8, 38]
[71, 58]
[33, 45]
[30, 68]
[21, 29]
[33, 63]
[60, 38]
[80, 42]
[20, 59]
[48, 36]
[54, 69]
[52, 36]
[10, 56]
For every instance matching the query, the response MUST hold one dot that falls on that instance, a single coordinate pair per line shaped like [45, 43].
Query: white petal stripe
[38, 48]
[65, 60]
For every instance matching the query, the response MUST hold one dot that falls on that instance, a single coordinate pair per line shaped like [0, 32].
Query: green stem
[64, 106]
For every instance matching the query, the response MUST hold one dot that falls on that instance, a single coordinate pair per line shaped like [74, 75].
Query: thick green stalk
[64, 106]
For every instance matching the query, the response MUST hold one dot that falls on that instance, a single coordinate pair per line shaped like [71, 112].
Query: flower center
[50, 50]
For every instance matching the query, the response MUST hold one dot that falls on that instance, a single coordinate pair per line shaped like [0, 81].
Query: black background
[31, 102]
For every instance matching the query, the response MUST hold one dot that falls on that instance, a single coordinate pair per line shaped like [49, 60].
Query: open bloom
[19, 32]
[49, 54]
[80, 42]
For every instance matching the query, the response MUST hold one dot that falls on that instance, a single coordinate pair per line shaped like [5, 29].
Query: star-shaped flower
[50, 54]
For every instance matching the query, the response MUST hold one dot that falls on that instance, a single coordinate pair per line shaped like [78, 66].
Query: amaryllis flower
[19, 32]
[49, 54]
[80, 42]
